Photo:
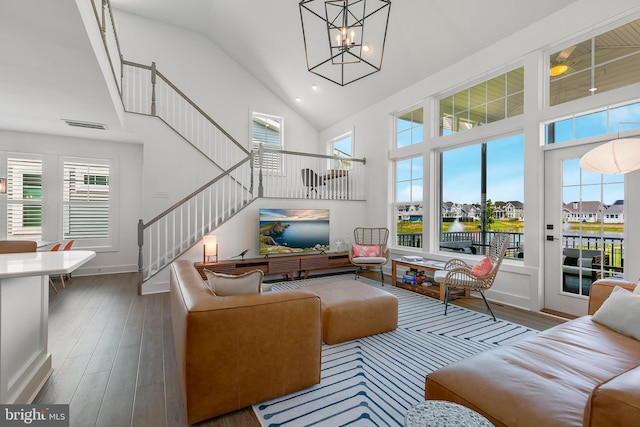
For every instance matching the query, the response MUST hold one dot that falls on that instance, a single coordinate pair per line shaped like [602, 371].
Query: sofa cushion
[621, 312]
[483, 267]
[365, 250]
[227, 284]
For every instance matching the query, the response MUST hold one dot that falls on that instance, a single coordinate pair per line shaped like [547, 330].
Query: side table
[440, 413]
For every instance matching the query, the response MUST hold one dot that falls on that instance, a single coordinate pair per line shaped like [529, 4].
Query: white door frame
[554, 297]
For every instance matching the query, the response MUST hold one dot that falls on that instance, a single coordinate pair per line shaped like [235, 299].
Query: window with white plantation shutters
[266, 131]
[24, 199]
[86, 200]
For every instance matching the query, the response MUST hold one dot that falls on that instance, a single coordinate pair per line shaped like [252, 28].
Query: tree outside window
[482, 194]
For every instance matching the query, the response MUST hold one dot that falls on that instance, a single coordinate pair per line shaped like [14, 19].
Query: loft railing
[290, 174]
[172, 232]
[145, 90]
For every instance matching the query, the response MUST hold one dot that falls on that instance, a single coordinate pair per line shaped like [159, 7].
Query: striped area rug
[374, 381]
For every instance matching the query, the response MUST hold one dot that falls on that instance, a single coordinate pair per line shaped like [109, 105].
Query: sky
[505, 164]
[294, 214]
[505, 172]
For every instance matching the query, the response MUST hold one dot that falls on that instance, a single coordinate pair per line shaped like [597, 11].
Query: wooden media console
[293, 266]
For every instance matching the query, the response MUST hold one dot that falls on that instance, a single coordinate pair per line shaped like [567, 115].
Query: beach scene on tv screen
[293, 230]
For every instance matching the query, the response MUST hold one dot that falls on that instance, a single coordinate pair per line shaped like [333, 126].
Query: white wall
[126, 184]
[172, 169]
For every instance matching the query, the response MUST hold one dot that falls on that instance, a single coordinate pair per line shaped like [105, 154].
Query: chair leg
[62, 281]
[446, 299]
[488, 306]
[381, 276]
[53, 286]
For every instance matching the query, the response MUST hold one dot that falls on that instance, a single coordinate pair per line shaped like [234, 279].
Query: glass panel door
[584, 218]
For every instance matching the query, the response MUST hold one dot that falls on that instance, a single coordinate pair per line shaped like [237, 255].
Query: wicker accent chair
[457, 274]
[370, 237]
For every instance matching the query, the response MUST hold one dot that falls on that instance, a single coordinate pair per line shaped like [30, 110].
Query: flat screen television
[284, 231]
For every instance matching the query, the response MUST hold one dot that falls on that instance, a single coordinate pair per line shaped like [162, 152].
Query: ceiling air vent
[87, 125]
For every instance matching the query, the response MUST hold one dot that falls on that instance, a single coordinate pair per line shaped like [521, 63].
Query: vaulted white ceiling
[423, 37]
[49, 72]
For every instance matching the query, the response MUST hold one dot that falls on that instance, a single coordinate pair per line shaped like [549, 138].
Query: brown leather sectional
[236, 351]
[580, 373]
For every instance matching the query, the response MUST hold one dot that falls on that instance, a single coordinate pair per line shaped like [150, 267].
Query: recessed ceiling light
[298, 99]
[314, 88]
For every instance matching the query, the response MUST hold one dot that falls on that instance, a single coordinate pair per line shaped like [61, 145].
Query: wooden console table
[290, 265]
[434, 290]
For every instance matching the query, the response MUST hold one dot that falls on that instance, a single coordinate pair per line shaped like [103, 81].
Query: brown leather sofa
[579, 373]
[235, 351]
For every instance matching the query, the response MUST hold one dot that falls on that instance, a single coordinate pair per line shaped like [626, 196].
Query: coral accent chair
[370, 249]
[55, 248]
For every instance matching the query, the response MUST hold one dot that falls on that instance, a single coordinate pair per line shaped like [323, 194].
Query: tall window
[409, 128]
[409, 207]
[483, 193]
[86, 199]
[266, 132]
[24, 199]
[487, 102]
[599, 64]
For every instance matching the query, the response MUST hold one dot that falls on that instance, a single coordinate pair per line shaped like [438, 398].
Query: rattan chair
[370, 237]
[457, 274]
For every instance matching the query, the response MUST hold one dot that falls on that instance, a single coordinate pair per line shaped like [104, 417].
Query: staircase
[145, 90]
[167, 236]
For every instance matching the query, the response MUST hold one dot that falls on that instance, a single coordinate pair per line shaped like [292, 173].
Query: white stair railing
[171, 233]
[145, 90]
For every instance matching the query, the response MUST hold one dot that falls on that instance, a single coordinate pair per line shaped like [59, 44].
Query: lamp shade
[614, 157]
[210, 245]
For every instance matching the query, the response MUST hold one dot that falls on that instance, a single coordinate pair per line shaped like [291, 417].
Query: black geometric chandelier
[344, 39]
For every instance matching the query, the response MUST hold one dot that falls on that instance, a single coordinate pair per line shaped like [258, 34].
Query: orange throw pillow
[360, 251]
[482, 268]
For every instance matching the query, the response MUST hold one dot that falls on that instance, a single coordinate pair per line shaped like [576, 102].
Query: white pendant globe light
[614, 157]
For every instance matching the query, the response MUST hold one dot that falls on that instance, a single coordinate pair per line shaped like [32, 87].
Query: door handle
[551, 238]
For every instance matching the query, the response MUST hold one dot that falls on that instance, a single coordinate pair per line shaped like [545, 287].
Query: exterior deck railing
[612, 247]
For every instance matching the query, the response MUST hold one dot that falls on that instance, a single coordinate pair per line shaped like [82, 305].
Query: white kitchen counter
[41, 263]
[25, 361]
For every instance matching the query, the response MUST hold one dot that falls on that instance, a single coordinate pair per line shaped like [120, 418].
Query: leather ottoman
[351, 309]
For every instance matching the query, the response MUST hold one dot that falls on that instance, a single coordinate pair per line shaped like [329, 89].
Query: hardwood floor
[114, 362]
